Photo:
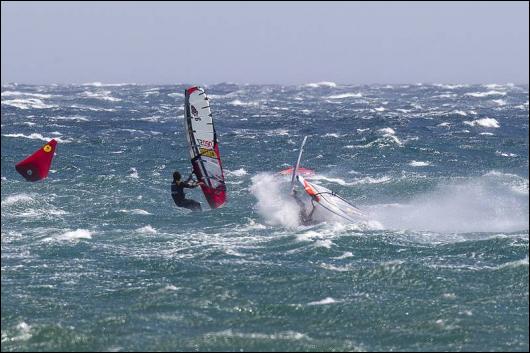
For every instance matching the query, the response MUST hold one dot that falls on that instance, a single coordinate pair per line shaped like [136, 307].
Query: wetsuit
[305, 219]
[177, 192]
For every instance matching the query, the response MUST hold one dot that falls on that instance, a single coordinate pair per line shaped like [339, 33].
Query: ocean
[98, 257]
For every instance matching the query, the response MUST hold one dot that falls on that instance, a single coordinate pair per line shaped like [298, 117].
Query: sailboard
[331, 202]
[37, 166]
[203, 146]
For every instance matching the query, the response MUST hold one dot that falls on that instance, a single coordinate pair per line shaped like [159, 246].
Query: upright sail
[37, 166]
[204, 149]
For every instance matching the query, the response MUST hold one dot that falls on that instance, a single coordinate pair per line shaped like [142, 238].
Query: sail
[299, 171]
[204, 149]
[37, 166]
[330, 201]
[297, 165]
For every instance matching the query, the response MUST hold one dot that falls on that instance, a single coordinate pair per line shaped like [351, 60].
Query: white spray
[492, 203]
[275, 204]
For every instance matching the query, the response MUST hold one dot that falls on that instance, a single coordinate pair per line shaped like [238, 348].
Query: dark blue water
[97, 257]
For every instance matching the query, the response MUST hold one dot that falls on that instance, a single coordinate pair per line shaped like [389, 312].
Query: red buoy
[37, 166]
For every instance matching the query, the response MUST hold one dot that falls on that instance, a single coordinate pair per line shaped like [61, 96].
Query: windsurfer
[305, 218]
[177, 192]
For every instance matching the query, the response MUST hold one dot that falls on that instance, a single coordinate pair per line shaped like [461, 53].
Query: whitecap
[514, 264]
[237, 102]
[345, 95]
[499, 102]
[147, 230]
[485, 94]
[403, 110]
[504, 154]
[346, 255]
[450, 86]
[387, 130]
[325, 243]
[36, 136]
[419, 163]
[484, 122]
[133, 173]
[335, 268]
[324, 301]
[277, 132]
[24, 330]
[287, 335]
[100, 84]
[332, 135]
[17, 93]
[30, 103]
[102, 95]
[76, 106]
[17, 198]
[446, 95]
[137, 211]
[386, 140]
[239, 172]
[76, 118]
[73, 235]
[321, 84]
[497, 85]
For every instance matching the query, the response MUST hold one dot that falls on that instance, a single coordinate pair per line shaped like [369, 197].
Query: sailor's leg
[176, 200]
[191, 204]
[196, 206]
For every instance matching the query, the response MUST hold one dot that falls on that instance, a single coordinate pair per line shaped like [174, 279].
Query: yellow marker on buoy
[47, 148]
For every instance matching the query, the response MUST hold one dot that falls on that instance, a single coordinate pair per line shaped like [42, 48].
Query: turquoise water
[97, 257]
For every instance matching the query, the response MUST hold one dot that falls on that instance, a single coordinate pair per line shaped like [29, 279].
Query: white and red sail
[204, 147]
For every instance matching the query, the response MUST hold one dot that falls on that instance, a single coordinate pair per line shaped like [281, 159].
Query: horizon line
[330, 84]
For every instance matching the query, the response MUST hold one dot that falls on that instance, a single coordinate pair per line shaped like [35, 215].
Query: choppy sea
[97, 256]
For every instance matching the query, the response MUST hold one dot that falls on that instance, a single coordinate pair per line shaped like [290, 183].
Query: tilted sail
[37, 166]
[300, 171]
[331, 202]
[297, 165]
[204, 149]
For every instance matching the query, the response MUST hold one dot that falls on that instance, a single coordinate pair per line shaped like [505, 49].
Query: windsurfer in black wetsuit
[305, 219]
[177, 192]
